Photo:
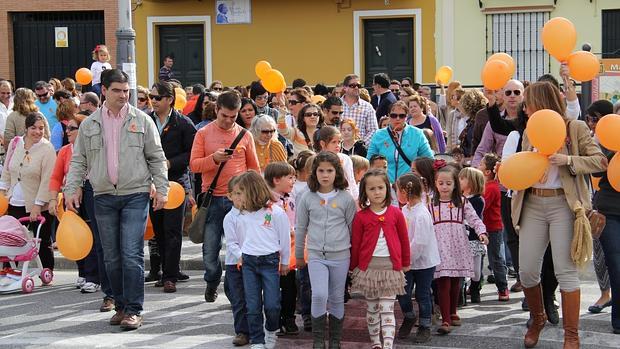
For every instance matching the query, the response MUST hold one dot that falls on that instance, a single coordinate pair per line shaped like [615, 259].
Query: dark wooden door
[36, 55]
[388, 48]
[186, 44]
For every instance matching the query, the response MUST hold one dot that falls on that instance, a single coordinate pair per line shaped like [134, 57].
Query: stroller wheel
[46, 276]
[27, 285]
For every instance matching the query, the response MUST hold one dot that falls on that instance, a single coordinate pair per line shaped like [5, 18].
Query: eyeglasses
[294, 102]
[309, 115]
[400, 116]
[142, 99]
[335, 112]
[510, 92]
[157, 97]
[355, 85]
[592, 118]
[262, 97]
[72, 128]
[267, 132]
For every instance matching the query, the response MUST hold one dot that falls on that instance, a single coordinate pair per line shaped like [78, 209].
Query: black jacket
[177, 138]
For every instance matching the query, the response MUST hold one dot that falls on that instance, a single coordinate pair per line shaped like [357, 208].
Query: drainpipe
[125, 47]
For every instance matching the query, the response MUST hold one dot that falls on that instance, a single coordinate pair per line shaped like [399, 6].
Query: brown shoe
[170, 287]
[537, 314]
[240, 340]
[117, 318]
[570, 318]
[107, 305]
[517, 287]
[131, 322]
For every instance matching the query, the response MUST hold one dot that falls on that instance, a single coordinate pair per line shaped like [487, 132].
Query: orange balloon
[559, 38]
[273, 81]
[83, 76]
[595, 183]
[583, 65]
[180, 91]
[176, 196]
[495, 74]
[608, 131]
[522, 170]
[613, 172]
[546, 131]
[4, 204]
[179, 102]
[261, 68]
[506, 58]
[443, 75]
[74, 237]
[149, 233]
[60, 208]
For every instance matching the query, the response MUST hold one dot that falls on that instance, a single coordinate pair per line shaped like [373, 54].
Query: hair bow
[439, 163]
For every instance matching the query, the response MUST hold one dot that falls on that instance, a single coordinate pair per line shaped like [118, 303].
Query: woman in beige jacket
[23, 104]
[544, 214]
[25, 180]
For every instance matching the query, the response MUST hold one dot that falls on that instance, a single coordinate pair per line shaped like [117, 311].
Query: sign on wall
[233, 11]
[61, 35]
[607, 84]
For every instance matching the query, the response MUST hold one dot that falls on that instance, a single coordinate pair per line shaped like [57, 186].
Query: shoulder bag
[398, 148]
[196, 228]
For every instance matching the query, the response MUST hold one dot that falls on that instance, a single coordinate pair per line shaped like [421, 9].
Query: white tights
[380, 318]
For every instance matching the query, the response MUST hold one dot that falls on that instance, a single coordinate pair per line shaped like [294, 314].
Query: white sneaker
[80, 282]
[257, 346]
[90, 287]
[270, 339]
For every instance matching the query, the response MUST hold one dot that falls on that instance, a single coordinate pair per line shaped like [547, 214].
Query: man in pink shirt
[210, 149]
[119, 148]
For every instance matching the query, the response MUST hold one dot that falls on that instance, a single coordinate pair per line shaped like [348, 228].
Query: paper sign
[62, 36]
[130, 69]
[233, 11]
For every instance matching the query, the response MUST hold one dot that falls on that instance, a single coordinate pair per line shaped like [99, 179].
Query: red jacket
[491, 215]
[365, 235]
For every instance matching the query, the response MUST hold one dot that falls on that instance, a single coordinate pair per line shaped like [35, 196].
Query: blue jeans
[422, 279]
[122, 220]
[610, 240]
[213, 233]
[89, 204]
[497, 260]
[233, 288]
[261, 283]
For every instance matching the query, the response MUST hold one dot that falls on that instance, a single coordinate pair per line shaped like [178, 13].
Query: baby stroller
[17, 245]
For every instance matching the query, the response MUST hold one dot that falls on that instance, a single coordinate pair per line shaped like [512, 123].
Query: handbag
[196, 228]
[398, 148]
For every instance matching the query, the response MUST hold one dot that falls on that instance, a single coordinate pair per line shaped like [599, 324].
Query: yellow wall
[469, 48]
[301, 38]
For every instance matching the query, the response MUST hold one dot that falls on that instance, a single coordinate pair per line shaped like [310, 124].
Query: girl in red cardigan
[380, 255]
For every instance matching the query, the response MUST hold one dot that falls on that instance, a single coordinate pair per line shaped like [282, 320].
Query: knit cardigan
[366, 227]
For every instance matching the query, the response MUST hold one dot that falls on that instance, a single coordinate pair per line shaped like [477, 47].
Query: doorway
[388, 48]
[186, 44]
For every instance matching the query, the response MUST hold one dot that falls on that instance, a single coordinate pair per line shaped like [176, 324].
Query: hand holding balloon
[558, 159]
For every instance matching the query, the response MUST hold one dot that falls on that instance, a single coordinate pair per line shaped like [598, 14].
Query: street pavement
[61, 317]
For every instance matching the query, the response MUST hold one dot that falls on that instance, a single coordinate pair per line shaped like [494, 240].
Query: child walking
[471, 181]
[330, 140]
[449, 210]
[492, 219]
[265, 247]
[280, 177]
[424, 258]
[101, 58]
[324, 218]
[233, 280]
[380, 254]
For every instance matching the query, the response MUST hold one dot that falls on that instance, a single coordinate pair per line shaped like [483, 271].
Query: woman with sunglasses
[420, 119]
[309, 120]
[268, 148]
[144, 102]
[260, 96]
[399, 143]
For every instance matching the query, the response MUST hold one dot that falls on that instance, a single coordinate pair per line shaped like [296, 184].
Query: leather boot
[570, 318]
[318, 332]
[335, 331]
[537, 313]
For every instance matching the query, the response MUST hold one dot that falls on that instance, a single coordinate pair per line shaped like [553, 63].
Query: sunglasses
[294, 102]
[158, 98]
[400, 116]
[309, 115]
[43, 95]
[267, 132]
[395, 91]
[405, 85]
[217, 89]
[72, 128]
[355, 85]
[510, 92]
[335, 112]
[262, 97]
[142, 99]
[592, 118]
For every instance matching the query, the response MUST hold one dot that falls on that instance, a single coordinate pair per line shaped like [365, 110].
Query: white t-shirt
[553, 173]
[381, 249]
[349, 175]
[97, 68]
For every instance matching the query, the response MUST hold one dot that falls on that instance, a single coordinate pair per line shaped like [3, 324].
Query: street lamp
[126, 49]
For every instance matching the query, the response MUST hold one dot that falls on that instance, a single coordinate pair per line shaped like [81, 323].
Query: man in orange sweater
[210, 149]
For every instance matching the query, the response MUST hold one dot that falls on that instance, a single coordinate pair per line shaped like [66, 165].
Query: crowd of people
[318, 193]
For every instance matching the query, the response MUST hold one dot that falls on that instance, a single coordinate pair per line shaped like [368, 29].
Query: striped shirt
[363, 114]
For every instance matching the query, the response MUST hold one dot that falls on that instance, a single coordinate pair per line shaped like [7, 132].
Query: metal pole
[125, 47]
[586, 87]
